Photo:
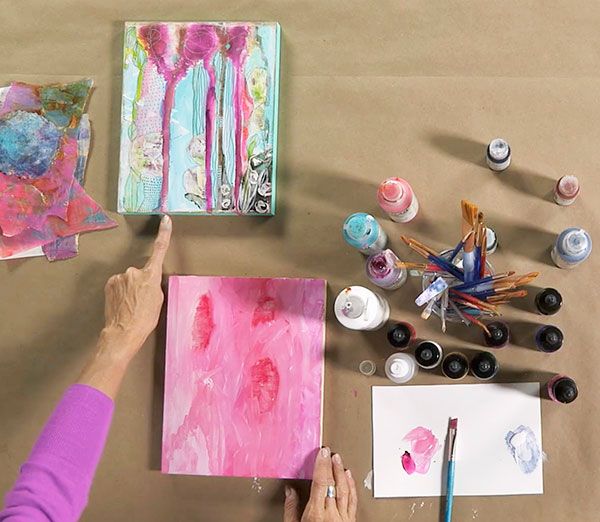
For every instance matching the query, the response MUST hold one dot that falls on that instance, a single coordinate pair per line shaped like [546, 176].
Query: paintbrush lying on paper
[469, 293]
[452, 431]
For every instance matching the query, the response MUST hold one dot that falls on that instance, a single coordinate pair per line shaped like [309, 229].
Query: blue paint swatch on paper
[524, 448]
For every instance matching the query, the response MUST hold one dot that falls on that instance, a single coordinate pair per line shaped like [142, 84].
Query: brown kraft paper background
[369, 89]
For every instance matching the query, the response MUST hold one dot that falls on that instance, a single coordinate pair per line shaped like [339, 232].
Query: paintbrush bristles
[453, 424]
[475, 293]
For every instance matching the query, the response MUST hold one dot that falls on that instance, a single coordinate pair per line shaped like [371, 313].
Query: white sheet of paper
[484, 464]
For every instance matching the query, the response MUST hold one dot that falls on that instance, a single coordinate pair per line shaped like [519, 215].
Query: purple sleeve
[54, 483]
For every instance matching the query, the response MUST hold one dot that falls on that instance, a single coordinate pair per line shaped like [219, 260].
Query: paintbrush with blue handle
[452, 429]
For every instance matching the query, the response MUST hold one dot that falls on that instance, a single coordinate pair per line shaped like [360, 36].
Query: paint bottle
[357, 308]
[455, 366]
[363, 232]
[396, 197]
[566, 190]
[573, 246]
[484, 366]
[491, 241]
[367, 368]
[400, 335]
[428, 354]
[548, 301]
[401, 367]
[383, 272]
[498, 154]
[499, 334]
[549, 339]
[562, 389]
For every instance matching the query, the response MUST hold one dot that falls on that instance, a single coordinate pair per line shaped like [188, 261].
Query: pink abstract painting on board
[243, 376]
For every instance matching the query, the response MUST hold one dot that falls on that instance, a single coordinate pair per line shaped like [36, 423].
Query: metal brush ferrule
[451, 443]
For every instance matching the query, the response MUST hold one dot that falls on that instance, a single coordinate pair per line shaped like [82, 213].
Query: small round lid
[498, 149]
[399, 335]
[499, 334]
[550, 338]
[484, 365]
[549, 301]
[400, 368]
[359, 226]
[565, 390]
[576, 242]
[568, 186]
[455, 365]
[391, 190]
[428, 354]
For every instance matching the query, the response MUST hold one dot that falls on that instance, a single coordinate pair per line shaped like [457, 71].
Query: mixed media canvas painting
[199, 118]
[44, 144]
[243, 376]
[498, 445]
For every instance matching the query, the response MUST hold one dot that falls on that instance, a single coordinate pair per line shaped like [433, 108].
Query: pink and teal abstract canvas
[243, 376]
[199, 118]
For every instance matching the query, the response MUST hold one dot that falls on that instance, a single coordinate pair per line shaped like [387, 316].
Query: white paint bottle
[358, 308]
[401, 367]
[498, 155]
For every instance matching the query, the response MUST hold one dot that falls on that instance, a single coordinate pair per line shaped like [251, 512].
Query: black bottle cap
[548, 301]
[499, 334]
[400, 335]
[428, 354]
[455, 365]
[565, 390]
[484, 366]
[549, 338]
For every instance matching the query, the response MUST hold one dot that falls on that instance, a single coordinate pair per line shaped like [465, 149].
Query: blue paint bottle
[573, 246]
[363, 232]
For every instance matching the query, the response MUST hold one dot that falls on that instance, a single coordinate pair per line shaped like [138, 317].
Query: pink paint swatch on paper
[423, 446]
[243, 376]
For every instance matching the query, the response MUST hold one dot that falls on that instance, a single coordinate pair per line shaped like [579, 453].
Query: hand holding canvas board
[498, 448]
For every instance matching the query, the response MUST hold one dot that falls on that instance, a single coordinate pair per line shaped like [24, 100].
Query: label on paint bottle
[408, 215]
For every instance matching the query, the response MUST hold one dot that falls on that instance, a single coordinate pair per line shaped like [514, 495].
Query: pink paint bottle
[566, 190]
[397, 199]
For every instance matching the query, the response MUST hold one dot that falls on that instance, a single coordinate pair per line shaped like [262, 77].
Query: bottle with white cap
[401, 367]
[573, 246]
[358, 308]
[498, 154]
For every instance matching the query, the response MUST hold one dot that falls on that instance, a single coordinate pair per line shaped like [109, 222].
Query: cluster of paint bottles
[363, 232]
[574, 245]
[401, 367]
[358, 308]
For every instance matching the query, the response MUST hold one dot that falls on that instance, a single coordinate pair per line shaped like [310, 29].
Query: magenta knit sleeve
[54, 483]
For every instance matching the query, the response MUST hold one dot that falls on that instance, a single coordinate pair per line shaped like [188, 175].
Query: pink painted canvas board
[243, 376]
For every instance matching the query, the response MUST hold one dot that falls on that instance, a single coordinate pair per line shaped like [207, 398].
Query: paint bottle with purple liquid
[397, 199]
[562, 389]
[382, 270]
[549, 339]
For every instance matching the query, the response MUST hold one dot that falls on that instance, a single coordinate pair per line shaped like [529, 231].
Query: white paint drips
[368, 482]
